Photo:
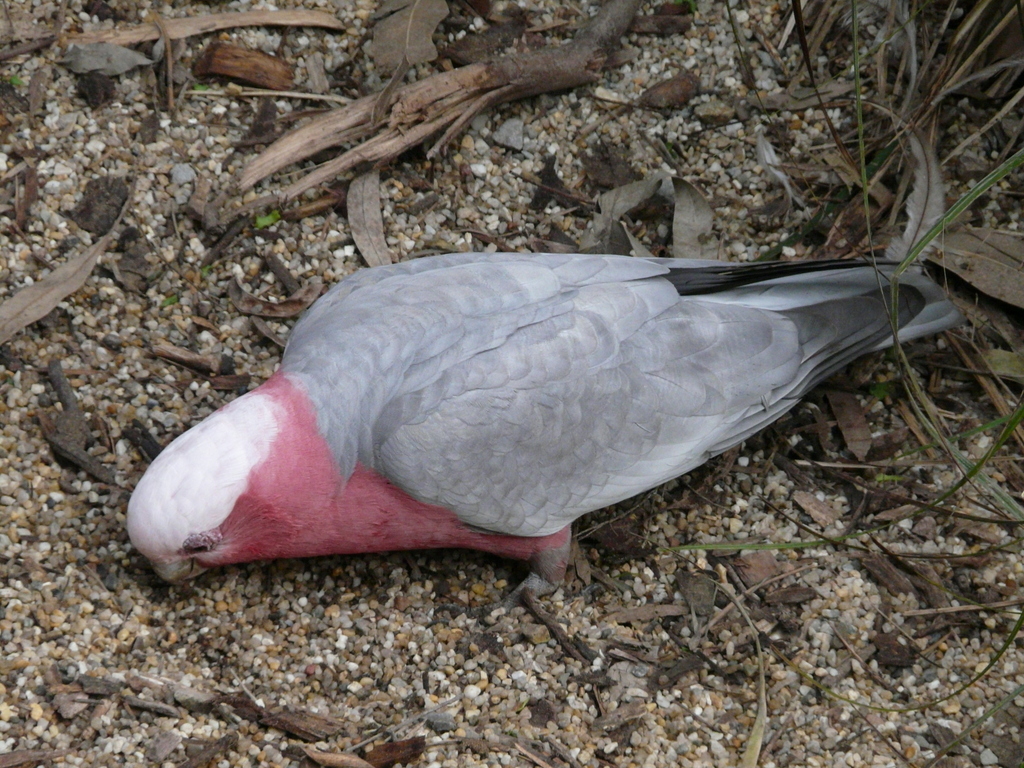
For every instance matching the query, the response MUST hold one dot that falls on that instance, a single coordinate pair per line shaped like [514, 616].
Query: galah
[486, 401]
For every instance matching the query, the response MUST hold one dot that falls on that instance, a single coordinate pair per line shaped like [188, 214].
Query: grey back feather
[521, 391]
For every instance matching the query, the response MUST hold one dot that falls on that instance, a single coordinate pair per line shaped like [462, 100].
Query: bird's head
[235, 487]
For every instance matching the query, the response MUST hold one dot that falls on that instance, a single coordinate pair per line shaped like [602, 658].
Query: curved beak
[178, 571]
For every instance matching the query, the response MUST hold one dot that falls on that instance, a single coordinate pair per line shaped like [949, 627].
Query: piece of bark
[580, 563]
[230, 383]
[447, 101]
[316, 75]
[237, 63]
[646, 613]
[200, 198]
[26, 192]
[698, 590]
[888, 575]
[621, 715]
[30, 46]
[557, 630]
[823, 514]
[302, 724]
[208, 365]
[281, 272]
[68, 432]
[148, 705]
[212, 750]
[335, 759]
[30, 757]
[162, 746]
[478, 47]
[264, 125]
[790, 596]
[894, 650]
[405, 752]
[233, 230]
[607, 165]
[100, 686]
[101, 204]
[70, 705]
[661, 25]
[140, 437]
[335, 199]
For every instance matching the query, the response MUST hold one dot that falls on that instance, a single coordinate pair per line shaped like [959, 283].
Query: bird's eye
[197, 543]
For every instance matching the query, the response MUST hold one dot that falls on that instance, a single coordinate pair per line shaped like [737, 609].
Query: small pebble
[182, 174]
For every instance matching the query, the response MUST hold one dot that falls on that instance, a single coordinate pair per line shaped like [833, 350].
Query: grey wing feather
[524, 391]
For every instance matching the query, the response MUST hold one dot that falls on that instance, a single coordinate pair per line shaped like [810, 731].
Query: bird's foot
[535, 584]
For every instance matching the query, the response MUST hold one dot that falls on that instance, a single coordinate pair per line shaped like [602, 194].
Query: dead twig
[20, 49]
[444, 103]
[549, 621]
[200, 25]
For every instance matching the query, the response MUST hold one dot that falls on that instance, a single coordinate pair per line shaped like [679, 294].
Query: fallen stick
[200, 25]
[443, 103]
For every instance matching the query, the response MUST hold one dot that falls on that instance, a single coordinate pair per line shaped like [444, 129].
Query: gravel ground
[103, 665]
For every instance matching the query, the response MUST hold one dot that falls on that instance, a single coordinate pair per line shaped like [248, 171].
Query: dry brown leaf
[335, 759]
[991, 261]
[612, 206]
[691, 223]
[37, 300]
[580, 563]
[850, 418]
[251, 305]
[404, 32]
[757, 566]
[1004, 363]
[366, 221]
[267, 332]
[105, 58]
[647, 613]
[820, 512]
[200, 25]
[672, 93]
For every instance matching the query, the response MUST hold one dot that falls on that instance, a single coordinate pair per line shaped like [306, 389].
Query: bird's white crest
[193, 485]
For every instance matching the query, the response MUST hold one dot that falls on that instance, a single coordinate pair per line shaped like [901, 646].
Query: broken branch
[446, 102]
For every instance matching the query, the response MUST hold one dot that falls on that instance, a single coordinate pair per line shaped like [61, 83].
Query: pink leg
[547, 569]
